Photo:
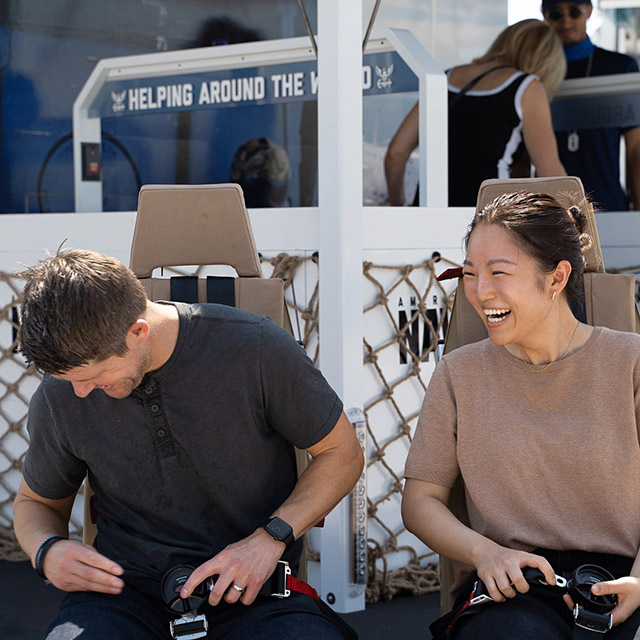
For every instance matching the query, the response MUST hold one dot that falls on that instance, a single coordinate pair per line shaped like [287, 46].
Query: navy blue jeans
[139, 613]
[532, 616]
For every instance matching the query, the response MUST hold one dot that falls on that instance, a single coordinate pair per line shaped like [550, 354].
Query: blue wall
[48, 48]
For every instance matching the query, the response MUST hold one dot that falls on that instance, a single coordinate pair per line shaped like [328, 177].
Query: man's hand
[74, 566]
[69, 565]
[628, 591]
[247, 563]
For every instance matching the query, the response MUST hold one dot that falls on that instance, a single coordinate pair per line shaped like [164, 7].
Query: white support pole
[433, 132]
[340, 250]
[86, 128]
[432, 118]
[88, 194]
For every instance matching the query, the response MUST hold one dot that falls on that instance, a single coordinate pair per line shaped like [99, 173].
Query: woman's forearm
[432, 522]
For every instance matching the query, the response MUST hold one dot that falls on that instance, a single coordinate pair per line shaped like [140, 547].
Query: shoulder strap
[467, 87]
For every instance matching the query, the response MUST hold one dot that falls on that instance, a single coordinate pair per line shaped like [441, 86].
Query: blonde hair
[531, 46]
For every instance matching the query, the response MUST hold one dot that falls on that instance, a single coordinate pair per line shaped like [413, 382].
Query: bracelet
[42, 552]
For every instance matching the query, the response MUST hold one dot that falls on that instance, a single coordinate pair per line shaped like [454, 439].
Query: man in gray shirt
[185, 418]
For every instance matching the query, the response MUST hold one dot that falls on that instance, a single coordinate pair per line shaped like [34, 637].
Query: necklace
[564, 355]
[573, 139]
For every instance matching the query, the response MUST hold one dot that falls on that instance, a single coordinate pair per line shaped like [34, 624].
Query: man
[593, 154]
[185, 417]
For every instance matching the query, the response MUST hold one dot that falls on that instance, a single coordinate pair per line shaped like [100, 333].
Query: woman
[508, 104]
[541, 420]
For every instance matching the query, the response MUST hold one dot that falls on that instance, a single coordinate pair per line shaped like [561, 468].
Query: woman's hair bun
[586, 242]
[579, 219]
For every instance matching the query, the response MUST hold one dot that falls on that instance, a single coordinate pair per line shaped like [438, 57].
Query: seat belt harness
[192, 625]
[591, 613]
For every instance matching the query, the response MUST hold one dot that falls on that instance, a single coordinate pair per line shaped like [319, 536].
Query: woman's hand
[426, 515]
[628, 591]
[501, 572]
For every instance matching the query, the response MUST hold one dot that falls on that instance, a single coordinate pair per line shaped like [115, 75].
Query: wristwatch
[280, 530]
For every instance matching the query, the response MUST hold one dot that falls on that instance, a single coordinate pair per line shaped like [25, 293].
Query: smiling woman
[513, 278]
[550, 406]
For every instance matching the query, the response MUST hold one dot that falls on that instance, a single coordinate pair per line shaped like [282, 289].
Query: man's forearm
[34, 521]
[318, 491]
[336, 466]
[68, 565]
[330, 476]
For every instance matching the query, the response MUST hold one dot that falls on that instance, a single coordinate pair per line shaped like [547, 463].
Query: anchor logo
[118, 101]
[384, 77]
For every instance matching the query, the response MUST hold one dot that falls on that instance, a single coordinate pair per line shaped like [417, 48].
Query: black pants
[138, 613]
[540, 614]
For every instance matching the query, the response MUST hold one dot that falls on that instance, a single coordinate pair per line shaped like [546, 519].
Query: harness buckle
[480, 597]
[483, 597]
[280, 575]
[592, 621]
[561, 582]
[190, 626]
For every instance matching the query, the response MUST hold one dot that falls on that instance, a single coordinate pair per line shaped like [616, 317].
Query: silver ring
[237, 588]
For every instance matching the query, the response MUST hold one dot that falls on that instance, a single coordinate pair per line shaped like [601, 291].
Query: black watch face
[279, 529]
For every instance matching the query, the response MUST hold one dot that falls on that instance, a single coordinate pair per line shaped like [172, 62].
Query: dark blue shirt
[597, 160]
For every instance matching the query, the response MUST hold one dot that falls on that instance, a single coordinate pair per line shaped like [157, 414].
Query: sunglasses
[555, 14]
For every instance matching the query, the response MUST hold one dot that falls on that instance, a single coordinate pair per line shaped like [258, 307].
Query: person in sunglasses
[593, 154]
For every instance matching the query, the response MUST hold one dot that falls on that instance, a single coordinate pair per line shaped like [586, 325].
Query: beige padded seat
[609, 302]
[202, 225]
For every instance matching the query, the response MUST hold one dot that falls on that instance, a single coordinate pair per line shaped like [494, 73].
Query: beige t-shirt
[549, 459]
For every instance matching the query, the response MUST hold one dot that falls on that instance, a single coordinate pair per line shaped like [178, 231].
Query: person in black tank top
[498, 108]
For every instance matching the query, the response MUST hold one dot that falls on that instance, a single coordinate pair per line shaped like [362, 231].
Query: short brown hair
[77, 308]
[531, 46]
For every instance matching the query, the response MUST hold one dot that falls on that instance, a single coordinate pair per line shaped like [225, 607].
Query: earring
[553, 297]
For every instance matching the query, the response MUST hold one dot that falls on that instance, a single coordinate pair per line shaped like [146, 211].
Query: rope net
[401, 409]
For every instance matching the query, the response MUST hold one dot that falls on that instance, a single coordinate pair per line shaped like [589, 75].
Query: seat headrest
[568, 190]
[193, 225]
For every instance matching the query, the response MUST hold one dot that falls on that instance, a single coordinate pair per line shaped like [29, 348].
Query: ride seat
[180, 225]
[609, 301]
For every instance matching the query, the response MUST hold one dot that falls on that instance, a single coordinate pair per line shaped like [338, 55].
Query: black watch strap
[42, 552]
[280, 530]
